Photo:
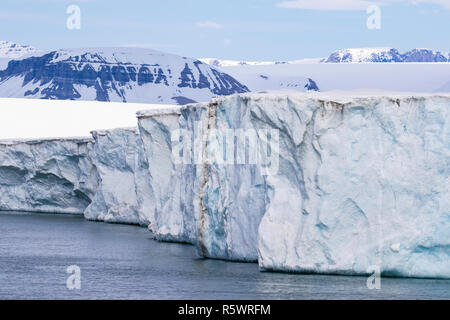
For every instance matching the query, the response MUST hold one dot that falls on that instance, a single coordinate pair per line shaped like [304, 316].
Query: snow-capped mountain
[11, 50]
[425, 55]
[115, 74]
[365, 55]
[354, 55]
[361, 55]
[220, 63]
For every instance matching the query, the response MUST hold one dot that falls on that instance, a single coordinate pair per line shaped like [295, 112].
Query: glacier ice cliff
[47, 175]
[228, 198]
[314, 182]
[171, 183]
[123, 194]
[360, 182]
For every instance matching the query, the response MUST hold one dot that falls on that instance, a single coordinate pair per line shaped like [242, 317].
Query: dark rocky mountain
[115, 74]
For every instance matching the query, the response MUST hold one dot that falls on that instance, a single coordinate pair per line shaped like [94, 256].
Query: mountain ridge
[115, 74]
[350, 55]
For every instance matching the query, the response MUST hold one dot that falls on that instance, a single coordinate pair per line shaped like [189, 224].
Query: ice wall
[123, 195]
[360, 182]
[47, 175]
[298, 182]
[170, 181]
[228, 198]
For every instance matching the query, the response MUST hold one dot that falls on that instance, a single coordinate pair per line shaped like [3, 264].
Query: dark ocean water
[122, 262]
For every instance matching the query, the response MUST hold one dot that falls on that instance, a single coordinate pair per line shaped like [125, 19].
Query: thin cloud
[227, 42]
[208, 25]
[347, 5]
[326, 4]
[149, 45]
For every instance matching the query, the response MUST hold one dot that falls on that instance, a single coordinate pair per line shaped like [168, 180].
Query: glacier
[47, 175]
[171, 183]
[362, 182]
[123, 193]
[332, 183]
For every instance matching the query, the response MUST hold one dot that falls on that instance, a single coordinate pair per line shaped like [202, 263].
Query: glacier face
[352, 182]
[47, 175]
[123, 193]
[361, 182]
[228, 198]
[171, 183]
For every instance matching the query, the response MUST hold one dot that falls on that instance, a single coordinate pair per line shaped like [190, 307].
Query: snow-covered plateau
[337, 183]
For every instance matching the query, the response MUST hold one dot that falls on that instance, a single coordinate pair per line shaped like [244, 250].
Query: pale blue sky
[229, 29]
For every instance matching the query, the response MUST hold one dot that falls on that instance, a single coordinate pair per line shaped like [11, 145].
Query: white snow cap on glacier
[33, 118]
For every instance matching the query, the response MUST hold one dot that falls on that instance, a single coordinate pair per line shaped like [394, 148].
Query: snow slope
[400, 77]
[444, 88]
[115, 74]
[219, 63]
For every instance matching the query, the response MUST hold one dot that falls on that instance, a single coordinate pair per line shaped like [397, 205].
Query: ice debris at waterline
[298, 182]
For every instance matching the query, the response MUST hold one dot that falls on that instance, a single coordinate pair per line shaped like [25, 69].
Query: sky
[229, 29]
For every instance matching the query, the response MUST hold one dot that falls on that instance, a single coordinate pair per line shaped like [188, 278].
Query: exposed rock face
[115, 74]
[122, 195]
[49, 175]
